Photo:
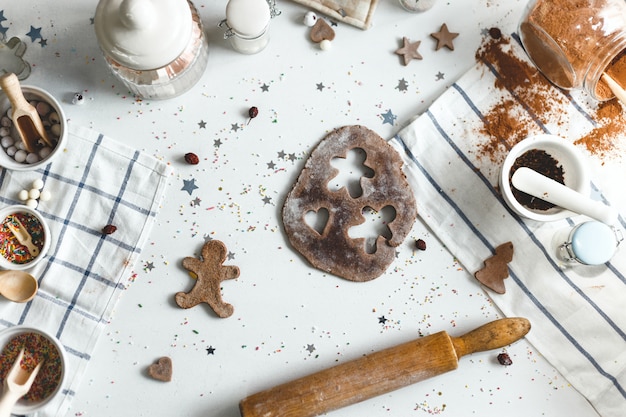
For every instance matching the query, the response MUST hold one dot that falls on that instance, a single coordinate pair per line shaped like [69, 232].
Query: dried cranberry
[253, 112]
[420, 244]
[109, 229]
[505, 359]
[191, 158]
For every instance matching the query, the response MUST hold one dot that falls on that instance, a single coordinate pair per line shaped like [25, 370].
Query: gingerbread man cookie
[210, 273]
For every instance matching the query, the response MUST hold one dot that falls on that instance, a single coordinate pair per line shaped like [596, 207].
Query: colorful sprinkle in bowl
[54, 116]
[39, 345]
[13, 254]
[575, 174]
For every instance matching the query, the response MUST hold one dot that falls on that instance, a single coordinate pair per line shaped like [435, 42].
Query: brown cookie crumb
[161, 370]
[496, 269]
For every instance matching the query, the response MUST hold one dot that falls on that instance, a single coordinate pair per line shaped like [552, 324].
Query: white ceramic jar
[157, 48]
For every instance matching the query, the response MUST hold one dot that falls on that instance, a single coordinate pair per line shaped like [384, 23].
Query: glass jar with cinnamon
[574, 42]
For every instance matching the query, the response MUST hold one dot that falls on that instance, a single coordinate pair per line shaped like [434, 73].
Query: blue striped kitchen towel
[95, 181]
[452, 155]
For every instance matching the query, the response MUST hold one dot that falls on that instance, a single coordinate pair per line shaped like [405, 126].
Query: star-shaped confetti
[265, 88]
[202, 124]
[439, 76]
[382, 320]
[389, 117]
[271, 165]
[402, 85]
[235, 127]
[217, 143]
[267, 200]
[210, 350]
[281, 154]
[149, 266]
[319, 86]
[34, 34]
[310, 348]
[409, 50]
[189, 185]
[444, 38]
[196, 202]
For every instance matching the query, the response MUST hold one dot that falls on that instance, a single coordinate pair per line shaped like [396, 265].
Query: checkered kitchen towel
[577, 313]
[96, 181]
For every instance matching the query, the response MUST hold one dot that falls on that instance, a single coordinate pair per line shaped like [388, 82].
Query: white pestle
[547, 189]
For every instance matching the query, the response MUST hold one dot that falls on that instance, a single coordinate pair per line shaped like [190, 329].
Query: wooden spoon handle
[379, 372]
[11, 87]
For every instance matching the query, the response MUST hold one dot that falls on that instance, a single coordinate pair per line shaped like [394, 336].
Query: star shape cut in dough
[444, 38]
[409, 50]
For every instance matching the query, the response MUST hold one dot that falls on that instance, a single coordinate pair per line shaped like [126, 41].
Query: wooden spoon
[18, 286]
[25, 116]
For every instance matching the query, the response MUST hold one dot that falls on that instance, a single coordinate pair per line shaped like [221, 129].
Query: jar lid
[248, 17]
[143, 34]
[593, 243]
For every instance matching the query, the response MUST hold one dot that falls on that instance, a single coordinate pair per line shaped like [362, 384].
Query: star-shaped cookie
[409, 50]
[444, 38]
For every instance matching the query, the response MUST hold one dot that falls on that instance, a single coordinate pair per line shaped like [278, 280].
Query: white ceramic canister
[157, 48]
[248, 24]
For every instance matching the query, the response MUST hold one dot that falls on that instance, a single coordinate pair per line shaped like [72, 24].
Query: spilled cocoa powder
[504, 126]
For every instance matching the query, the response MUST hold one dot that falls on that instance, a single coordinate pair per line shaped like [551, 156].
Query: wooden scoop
[16, 384]
[25, 116]
[380, 372]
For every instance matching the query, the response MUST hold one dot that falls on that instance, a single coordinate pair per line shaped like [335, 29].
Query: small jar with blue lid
[590, 243]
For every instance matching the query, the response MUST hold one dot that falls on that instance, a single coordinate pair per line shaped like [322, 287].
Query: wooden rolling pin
[379, 372]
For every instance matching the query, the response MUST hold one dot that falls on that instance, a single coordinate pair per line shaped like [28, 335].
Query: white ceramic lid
[143, 34]
[248, 17]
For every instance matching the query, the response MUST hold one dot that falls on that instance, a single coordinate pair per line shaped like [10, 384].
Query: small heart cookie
[322, 31]
[161, 370]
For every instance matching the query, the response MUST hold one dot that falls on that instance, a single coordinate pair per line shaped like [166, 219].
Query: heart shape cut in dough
[333, 250]
[161, 370]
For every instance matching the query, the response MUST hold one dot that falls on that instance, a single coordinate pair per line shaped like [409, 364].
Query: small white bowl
[23, 407]
[575, 174]
[6, 234]
[38, 94]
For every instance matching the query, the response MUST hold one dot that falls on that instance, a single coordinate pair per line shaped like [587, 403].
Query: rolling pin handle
[493, 335]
